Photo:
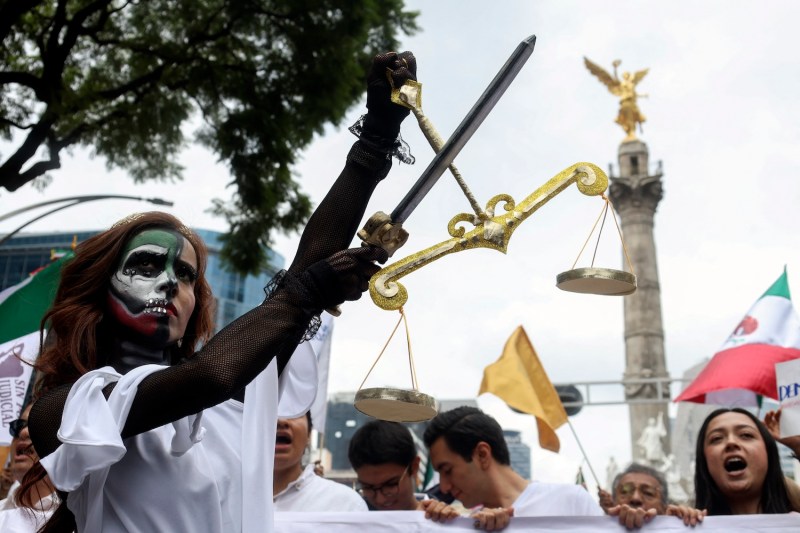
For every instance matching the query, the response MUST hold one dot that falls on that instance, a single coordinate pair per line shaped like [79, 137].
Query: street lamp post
[72, 200]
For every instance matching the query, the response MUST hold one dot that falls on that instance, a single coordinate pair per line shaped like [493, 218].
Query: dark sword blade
[464, 131]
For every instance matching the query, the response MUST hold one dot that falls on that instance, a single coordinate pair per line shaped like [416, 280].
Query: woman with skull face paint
[118, 420]
[145, 296]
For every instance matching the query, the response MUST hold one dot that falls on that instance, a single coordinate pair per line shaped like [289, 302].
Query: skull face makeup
[152, 291]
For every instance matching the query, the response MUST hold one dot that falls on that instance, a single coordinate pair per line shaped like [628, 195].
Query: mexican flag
[744, 368]
[21, 310]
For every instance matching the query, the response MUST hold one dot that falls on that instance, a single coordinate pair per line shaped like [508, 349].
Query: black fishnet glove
[383, 119]
[343, 276]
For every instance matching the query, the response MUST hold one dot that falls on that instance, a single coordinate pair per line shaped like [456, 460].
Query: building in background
[25, 253]
[519, 452]
[234, 294]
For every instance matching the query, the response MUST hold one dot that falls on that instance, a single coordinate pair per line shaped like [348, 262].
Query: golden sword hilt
[380, 231]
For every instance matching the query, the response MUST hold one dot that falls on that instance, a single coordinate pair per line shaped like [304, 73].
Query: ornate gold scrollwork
[493, 232]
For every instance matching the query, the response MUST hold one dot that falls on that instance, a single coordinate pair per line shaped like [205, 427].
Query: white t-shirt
[551, 499]
[312, 493]
[223, 424]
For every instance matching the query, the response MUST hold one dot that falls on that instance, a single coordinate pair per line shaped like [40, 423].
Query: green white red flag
[744, 368]
[21, 310]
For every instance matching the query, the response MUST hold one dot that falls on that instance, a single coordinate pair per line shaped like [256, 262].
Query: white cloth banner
[15, 374]
[787, 376]
[415, 522]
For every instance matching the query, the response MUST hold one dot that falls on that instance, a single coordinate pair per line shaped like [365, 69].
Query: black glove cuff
[385, 129]
[300, 294]
[387, 147]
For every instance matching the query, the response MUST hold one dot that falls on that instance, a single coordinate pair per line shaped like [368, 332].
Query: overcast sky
[722, 115]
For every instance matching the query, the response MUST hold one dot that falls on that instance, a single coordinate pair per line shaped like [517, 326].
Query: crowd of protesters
[142, 420]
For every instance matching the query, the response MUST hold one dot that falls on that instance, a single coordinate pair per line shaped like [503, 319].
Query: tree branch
[36, 170]
[75, 26]
[132, 85]
[13, 124]
[10, 176]
[101, 22]
[21, 78]
[10, 13]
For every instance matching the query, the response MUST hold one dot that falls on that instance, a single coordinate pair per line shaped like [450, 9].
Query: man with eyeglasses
[18, 466]
[640, 494]
[386, 464]
[639, 486]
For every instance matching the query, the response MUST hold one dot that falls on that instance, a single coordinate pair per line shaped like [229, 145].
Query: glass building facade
[234, 294]
[25, 253]
[519, 452]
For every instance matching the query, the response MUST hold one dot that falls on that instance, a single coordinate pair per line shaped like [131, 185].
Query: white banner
[14, 378]
[787, 376]
[415, 522]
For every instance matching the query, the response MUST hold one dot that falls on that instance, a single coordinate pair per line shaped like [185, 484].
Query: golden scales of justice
[491, 230]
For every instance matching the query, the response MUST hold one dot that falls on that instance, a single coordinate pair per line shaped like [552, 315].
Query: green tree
[124, 78]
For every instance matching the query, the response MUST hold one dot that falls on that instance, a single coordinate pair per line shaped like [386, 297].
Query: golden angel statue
[629, 115]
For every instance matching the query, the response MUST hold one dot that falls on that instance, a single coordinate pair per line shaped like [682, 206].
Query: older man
[42, 496]
[639, 486]
[640, 494]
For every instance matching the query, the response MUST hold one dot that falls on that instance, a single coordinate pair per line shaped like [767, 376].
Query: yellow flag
[519, 379]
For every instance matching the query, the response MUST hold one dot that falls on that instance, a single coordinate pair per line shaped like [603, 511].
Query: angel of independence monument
[635, 193]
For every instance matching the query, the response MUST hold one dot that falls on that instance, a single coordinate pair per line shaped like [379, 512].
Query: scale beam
[493, 233]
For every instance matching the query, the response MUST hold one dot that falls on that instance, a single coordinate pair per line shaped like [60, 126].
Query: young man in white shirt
[469, 451]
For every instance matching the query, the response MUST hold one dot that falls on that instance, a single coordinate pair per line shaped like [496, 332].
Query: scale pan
[395, 405]
[591, 280]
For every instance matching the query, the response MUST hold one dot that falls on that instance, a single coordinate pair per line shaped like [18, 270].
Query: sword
[385, 230]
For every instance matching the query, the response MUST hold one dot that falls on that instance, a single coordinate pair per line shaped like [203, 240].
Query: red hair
[75, 321]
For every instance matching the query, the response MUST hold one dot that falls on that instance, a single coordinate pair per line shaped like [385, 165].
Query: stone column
[635, 194]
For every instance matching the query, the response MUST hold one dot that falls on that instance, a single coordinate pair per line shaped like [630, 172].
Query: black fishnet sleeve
[327, 230]
[45, 419]
[238, 353]
[368, 162]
